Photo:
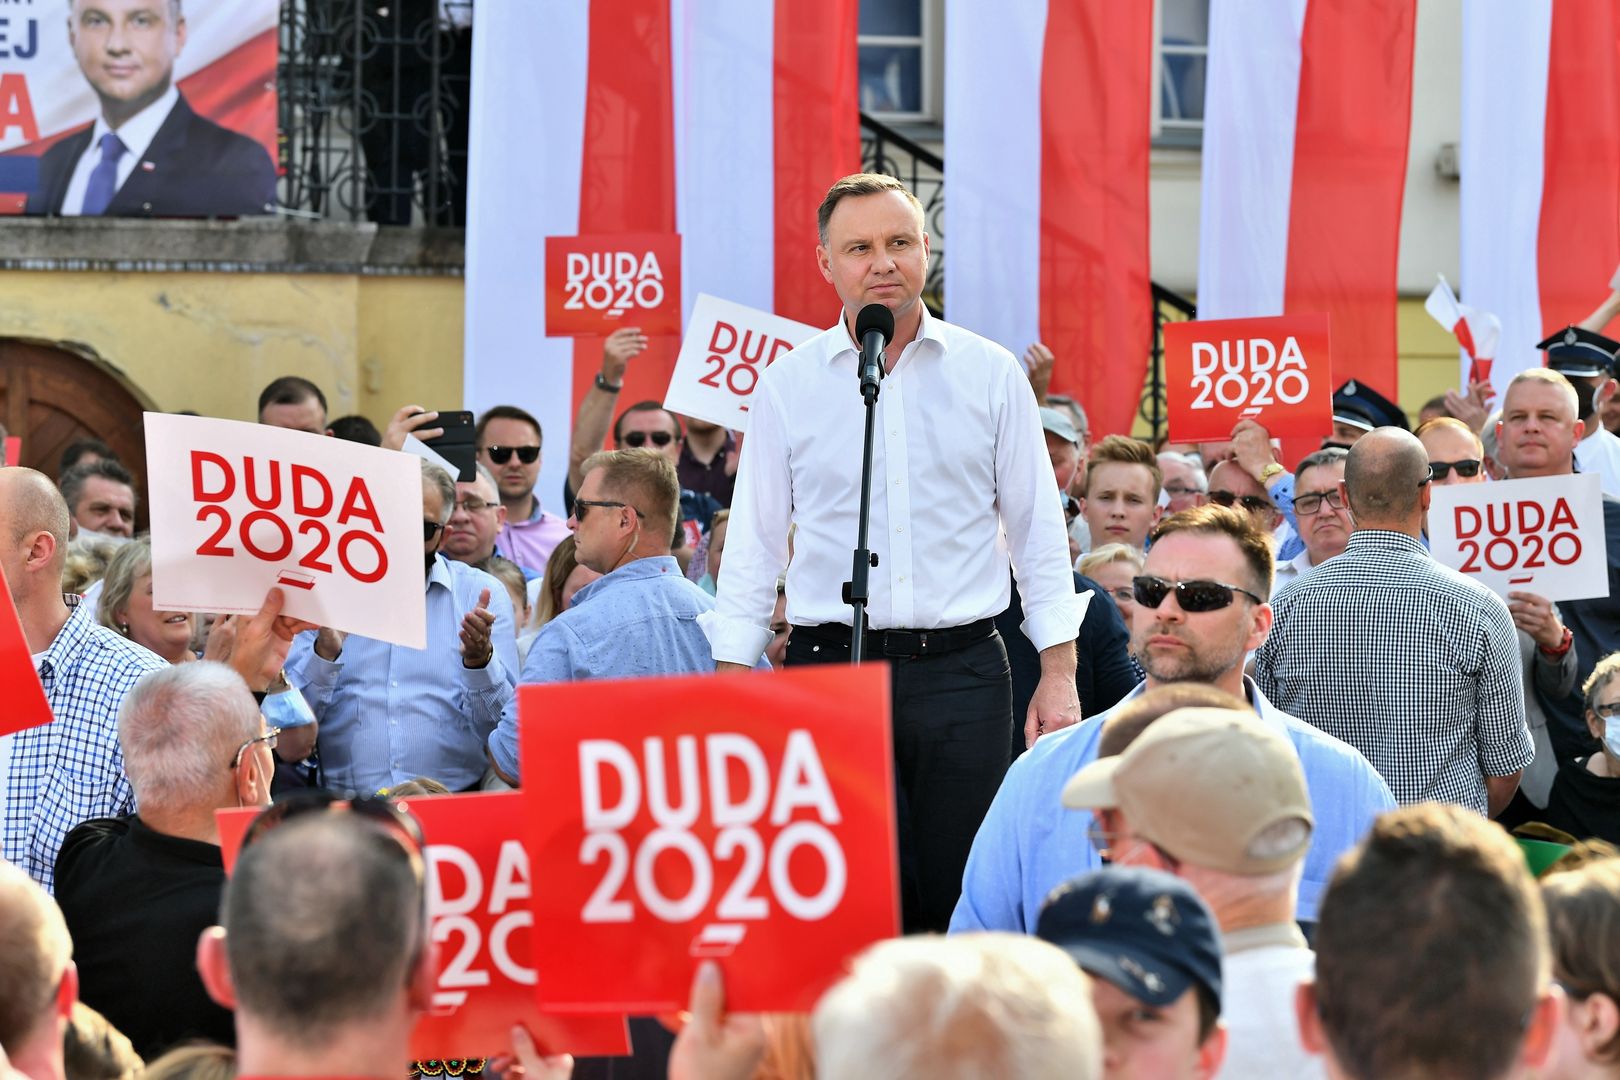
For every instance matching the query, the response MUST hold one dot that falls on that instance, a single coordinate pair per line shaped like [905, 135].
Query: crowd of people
[1204, 765]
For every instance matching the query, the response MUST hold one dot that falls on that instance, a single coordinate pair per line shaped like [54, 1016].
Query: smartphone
[456, 445]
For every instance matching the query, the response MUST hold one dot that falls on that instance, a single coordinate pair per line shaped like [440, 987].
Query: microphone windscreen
[874, 317]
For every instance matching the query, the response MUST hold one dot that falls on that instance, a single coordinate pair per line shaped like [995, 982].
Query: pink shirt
[530, 543]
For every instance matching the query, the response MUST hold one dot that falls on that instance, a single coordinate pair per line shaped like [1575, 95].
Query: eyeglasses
[500, 455]
[639, 438]
[430, 529]
[580, 506]
[1252, 503]
[1439, 470]
[1193, 596]
[1176, 491]
[474, 506]
[1607, 712]
[268, 738]
[1309, 503]
[1125, 594]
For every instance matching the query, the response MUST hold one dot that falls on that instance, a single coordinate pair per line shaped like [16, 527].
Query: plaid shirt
[1408, 661]
[72, 770]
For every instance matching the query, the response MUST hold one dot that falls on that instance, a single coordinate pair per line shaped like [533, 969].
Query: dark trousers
[952, 717]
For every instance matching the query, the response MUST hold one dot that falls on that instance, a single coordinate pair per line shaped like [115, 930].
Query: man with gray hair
[101, 499]
[38, 983]
[137, 891]
[956, 1008]
[476, 517]
[1408, 661]
[389, 713]
[1323, 522]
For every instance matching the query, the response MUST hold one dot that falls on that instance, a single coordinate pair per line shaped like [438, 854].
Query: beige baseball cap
[1212, 787]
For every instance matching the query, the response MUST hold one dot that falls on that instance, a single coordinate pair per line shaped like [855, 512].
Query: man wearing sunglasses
[508, 442]
[1410, 662]
[1324, 523]
[137, 890]
[1202, 607]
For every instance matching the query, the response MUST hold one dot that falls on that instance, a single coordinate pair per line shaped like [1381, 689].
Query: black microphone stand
[856, 590]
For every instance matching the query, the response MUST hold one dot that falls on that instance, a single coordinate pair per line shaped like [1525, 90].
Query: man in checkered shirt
[1404, 659]
[66, 772]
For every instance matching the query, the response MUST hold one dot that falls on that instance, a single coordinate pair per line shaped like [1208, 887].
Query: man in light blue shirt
[1210, 570]
[641, 617]
[388, 713]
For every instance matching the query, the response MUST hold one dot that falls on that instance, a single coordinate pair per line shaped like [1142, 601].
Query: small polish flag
[1477, 331]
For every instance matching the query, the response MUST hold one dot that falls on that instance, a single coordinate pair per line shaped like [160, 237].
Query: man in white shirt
[961, 481]
[1586, 359]
[1217, 798]
[1324, 523]
[148, 152]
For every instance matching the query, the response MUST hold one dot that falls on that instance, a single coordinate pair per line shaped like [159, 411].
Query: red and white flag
[1047, 133]
[1306, 120]
[1540, 166]
[1478, 332]
[723, 121]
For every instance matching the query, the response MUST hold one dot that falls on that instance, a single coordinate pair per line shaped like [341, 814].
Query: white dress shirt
[961, 483]
[1285, 572]
[1599, 452]
[136, 134]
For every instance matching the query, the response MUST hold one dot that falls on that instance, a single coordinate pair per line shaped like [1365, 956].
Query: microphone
[874, 326]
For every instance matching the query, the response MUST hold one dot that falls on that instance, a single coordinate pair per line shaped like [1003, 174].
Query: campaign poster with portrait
[143, 108]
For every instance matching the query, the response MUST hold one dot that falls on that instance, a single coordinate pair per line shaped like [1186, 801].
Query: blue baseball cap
[1143, 930]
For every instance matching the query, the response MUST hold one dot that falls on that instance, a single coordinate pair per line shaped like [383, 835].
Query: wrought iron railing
[883, 149]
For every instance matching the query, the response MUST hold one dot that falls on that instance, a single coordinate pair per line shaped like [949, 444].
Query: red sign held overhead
[747, 818]
[26, 706]
[1274, 371]
[13, 450]
[479, 888]
[596, 284]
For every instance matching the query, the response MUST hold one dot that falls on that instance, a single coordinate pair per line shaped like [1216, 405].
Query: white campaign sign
[726, 347]
[238, 508]
[1542, 535]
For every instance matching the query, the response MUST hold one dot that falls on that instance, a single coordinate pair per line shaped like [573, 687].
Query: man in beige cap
[1217, 798]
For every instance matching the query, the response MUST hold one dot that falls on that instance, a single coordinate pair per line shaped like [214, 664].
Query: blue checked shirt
[72, 770]
[389, 713]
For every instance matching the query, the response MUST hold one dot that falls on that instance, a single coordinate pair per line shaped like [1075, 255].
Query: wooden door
[52, 397]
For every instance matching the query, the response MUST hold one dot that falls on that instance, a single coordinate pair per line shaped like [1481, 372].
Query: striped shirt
[1406, 660]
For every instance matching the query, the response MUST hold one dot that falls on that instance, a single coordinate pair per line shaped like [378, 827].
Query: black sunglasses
[1252, 503]
[639, 438]
[582, 505]
[430, 529]
[500, 455]
[1193, 596]
[1439, 470]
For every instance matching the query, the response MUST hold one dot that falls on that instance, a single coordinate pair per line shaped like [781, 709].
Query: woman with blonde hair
[125, 605]
[1113, 566]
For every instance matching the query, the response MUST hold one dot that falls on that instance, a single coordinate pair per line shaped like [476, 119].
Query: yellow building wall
[209, 342]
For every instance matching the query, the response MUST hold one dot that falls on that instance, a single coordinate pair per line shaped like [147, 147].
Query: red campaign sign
[745, 818]
[26, 706]
[596, 284]
[13, 450]
[1274, 371]
[478, 896]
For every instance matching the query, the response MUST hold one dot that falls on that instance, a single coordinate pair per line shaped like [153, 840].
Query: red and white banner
[1544, 536]
[1048, 107]
[240, 508]
[1540, 165]
[1277, 372]
[748, 818]
[724, 121]
[726, 347]
[25, 706]
[478, 885]
[1478, 333]
[225, 69]
[1307, 114]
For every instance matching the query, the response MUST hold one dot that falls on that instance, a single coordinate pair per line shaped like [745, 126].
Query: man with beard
[1203, 606]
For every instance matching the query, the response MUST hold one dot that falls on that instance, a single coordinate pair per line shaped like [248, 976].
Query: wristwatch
[603, 384]
[1562, 647]
[1269, 471]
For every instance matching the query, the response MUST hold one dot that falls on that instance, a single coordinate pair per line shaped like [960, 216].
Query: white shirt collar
[138, 131]
[928, 329]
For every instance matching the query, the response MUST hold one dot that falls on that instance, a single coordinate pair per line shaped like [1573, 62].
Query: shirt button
[899, 528]
[394, 683]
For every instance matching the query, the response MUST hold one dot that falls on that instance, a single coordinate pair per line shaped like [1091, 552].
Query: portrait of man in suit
[148, 154]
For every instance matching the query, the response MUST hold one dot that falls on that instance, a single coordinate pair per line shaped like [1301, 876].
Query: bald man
[56, 776]
[38, 982]
[1406, 660]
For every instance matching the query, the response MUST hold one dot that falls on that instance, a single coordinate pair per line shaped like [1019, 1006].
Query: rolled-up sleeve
[1027, 500]
[756, 534]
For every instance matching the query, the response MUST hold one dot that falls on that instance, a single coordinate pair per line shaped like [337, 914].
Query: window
[896, 66]
[1183, 56]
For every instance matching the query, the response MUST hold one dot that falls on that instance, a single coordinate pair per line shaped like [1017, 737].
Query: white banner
[1542, 535]
[238, 508]
[726, 346]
